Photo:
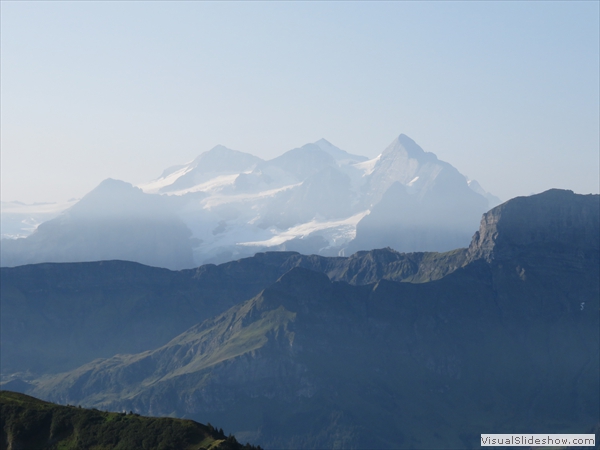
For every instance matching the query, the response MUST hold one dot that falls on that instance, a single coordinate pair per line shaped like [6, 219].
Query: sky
[506, 92]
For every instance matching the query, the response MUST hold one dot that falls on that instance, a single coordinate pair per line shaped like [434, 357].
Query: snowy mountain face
[215, 167]
[313, 199]
[237, 204]
[341, 157]
[405, 162]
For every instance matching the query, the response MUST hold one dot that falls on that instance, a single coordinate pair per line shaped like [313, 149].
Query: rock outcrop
[555, 220]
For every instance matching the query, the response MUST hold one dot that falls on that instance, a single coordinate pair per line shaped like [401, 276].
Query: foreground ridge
[26, 422]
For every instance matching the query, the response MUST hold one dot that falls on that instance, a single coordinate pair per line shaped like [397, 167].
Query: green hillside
[58, 316]
[32, 424]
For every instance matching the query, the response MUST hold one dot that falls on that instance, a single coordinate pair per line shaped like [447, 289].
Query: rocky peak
[405, 162]
[115, 198]
[223, 159]
[406, 147]
[559, 219]
[340, 156]
[302, 162]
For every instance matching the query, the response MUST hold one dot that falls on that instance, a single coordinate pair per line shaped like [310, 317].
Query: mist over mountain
[377, 350]
[114, 221]
[227, 204]
[19, 220]
[219, 161]
[342, 157]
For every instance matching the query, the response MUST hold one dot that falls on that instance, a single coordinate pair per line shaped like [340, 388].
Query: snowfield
[338, 231]
[234, 213]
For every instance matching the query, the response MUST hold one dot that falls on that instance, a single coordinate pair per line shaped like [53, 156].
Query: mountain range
[226, 204]
[377, 350]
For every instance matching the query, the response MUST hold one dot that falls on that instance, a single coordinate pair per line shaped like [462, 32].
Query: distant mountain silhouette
[219, 160]
[114, 221]
[420, 203]
[313, 199]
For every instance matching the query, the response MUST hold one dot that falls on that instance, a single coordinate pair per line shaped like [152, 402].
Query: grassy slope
[433, 366]
[56, 317]
[27, 422]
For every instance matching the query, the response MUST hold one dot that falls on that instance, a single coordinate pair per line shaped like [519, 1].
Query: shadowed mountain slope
[507, 343]
[556, 220]
[56, 317]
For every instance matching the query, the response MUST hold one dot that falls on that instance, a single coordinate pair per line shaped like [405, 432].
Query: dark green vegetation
[32, 424]
[502, 337]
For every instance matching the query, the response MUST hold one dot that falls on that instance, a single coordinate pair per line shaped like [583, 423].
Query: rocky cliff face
[555, 220]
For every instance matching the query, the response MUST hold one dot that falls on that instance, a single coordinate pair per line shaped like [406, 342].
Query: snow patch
[155, 186]
[217, 200]
[367, 167]
[344, 229]
[212, 185]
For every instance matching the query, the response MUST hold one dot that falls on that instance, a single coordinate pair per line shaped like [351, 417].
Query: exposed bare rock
[557, 220]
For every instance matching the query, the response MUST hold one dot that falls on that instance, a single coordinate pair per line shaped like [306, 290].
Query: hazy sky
[507, 92]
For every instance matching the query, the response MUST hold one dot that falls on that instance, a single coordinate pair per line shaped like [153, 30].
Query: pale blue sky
[507, 92]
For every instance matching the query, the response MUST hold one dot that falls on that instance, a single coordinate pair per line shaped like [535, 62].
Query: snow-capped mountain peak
[220, 159]
[405, 147]
[367, 167]
[342, 157]
[218, 162]
[313, 199]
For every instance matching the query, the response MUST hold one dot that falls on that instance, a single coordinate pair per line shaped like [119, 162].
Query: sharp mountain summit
[226, 205]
